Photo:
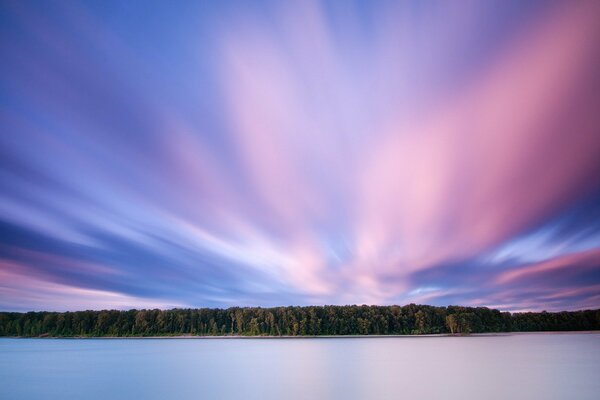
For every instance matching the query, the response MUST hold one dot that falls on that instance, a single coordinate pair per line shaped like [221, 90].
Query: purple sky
[191, 154]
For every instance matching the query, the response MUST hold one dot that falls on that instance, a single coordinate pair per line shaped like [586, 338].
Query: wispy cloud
[306, 152]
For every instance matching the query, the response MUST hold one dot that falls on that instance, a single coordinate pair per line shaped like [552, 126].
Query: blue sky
[211, 154]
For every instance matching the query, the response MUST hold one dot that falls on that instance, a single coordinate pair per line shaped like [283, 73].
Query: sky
[159, 154]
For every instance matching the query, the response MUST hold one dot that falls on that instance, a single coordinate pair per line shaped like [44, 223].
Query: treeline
[292, 321]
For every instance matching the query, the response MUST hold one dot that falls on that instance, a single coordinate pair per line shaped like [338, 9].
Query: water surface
[532, 366]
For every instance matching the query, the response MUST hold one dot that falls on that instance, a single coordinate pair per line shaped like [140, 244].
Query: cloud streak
[300, 153]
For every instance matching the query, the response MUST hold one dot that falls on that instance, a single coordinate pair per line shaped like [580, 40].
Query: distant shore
[350, 321]
[488, 334]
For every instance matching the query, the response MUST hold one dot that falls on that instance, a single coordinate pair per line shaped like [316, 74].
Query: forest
[291, 321]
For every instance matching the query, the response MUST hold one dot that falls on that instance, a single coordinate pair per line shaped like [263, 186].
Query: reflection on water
[535, 366]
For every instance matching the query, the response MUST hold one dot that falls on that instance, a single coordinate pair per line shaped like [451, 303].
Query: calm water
[537, 366]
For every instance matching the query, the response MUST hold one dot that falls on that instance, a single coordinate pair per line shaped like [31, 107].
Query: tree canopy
[292, 321]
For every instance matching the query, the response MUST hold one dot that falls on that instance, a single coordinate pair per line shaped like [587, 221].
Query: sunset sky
[224, 153]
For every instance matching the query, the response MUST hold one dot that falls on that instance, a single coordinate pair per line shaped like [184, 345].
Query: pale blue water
[536, 366]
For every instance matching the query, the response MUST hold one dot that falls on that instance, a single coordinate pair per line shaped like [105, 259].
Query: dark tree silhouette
[292, 321]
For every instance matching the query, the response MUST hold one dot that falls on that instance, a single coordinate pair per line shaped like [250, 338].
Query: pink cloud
[486, 163]
[447, 181]
[26, 291]
[564, 265]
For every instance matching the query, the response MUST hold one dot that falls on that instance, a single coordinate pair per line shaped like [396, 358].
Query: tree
[325, 320]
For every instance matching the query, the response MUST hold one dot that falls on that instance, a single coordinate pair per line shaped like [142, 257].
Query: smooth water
[532, 366]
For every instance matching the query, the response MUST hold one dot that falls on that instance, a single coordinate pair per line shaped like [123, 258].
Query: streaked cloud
[300, 153]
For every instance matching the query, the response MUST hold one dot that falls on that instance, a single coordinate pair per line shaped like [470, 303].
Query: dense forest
[292, 321]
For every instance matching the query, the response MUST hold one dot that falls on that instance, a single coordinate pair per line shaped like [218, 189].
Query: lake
[521, 366]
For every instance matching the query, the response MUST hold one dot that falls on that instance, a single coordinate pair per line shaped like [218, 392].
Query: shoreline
[233, 337]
